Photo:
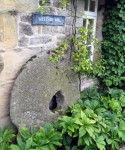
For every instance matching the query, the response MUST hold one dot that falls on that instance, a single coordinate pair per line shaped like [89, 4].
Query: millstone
[41, 92]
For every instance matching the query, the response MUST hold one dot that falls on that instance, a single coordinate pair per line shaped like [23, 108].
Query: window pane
[90, 30]
[90, 23]
[89, 48]
[92, 6]
[84, 22]
[86, 5]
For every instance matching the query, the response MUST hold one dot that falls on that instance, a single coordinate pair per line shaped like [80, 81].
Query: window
[41, 3]
[89, 19]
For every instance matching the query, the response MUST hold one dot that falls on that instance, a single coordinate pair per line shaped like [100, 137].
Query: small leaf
[82, 132]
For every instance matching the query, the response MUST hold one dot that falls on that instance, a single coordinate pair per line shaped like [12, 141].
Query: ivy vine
[113, 47]
[78, 47]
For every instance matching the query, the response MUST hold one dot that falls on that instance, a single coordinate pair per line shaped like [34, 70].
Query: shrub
[6, 138]
[46, 138]
[96, 122]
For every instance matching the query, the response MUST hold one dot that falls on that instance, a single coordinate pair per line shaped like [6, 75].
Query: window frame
[91, 15]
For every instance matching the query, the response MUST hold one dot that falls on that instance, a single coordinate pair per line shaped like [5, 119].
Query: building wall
[19, 41]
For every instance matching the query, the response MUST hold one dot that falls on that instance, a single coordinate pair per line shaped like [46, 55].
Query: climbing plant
[78, 46]
[113, 47]
[44, 7]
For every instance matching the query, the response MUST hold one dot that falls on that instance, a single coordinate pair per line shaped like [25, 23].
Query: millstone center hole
[56, 102]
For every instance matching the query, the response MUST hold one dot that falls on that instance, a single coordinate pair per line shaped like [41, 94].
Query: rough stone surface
[79, 22]
[86, 82]
[69, 21]
[25, 29]
[40, 40]
[80, 8]
[23, 41]
[13, 61]
[1, 63]
[26, 18]
[49, 30]
[34, 88]
[9, 30]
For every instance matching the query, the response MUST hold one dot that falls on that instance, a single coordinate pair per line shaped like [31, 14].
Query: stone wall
[19, 41]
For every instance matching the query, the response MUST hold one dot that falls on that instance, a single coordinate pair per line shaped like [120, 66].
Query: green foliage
[78, 47]
[89, 93]
[44, 7]
[95, 122]
[6, 138]
[63, 3]
[113, 47]
[58, 54]
[46, 138]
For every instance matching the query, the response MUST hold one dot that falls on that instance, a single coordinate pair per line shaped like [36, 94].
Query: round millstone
[41, 92]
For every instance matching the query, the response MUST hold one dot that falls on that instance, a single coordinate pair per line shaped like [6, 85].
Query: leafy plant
[89, 93]
[95, 123]
[6, 138]
[113, 49]
[46, 138]
[79, 59]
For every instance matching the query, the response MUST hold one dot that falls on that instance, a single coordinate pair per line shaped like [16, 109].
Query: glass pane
[40, 2]
[86, 5]
[89, 48]
[84, 22]
[90, 23]
[90, 30]
[92, 5]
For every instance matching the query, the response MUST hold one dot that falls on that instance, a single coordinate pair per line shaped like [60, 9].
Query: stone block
[79, 22]
[80, 8]
[41, 92]
[60, 36]
[62, 12]
[52, 11]
[43, 39]
[25, 29]
[51, 46]
[49, 30]
[6, 5]
[26, 5]
[1, 27]
[68, 30]
[23, 41]
[69, 21]
[26, 18]
[37, 30]
[9, 31]
[86, 82]
[61, 29]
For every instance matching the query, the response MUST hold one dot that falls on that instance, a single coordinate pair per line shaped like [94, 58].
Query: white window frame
[91, 15]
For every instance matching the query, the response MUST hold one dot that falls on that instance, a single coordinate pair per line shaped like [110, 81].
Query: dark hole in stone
[56, 102]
